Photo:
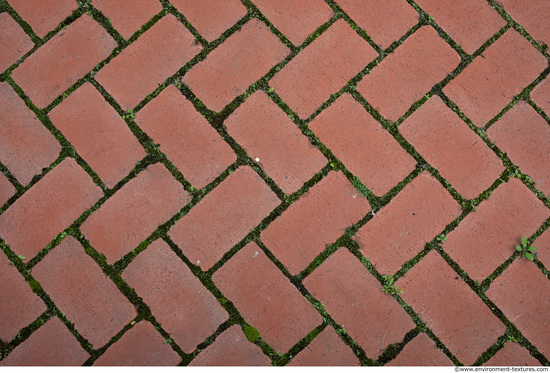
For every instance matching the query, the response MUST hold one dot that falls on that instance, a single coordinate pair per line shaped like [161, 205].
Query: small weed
[389, 287]
[441, 238]
[21, 257]
[130, 115]
[169, 340]
[526, 250]
[513, 339]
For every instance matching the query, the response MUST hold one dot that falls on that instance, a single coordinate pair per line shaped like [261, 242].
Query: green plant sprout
[389, 287]
[21, 257]
[441, 238]
[526, 250]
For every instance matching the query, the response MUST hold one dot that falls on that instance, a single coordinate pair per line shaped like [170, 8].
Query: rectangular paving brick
[322, 68]
[534, 17]
[266, 299]
[14, 42]
[80, 289]
[421, 351]
[44, 15]
[26, 146]
[63, 60]
[230, 69]
[407, 74]
[7, 190]
[145, 64]
[448, 144]
[98, 133]
[134, 212]
[373, 319]
[401, 229]
[541, 95]
[490, 82]
[187, 139]
[367, 150]
[274, 141]
[48, 208]
[224, 217]
[179, 302]
[315, 221]
[449, 307]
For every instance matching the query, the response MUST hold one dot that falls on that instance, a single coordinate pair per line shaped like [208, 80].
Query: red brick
[14, 43]
[322, 68]
[522, 294]
[456, 315]
[127, 16]
[63, 60]
[490, 82]
[145, 64]
[51, 345]
[98, 133]
[140, 346]
[542, 244]
[266, 299]
[7, 190]
[48, 208]
[421, 351]
[315, 221]
[224, 217]
[177, 299]
[26, 146]
[488, 236]
[541, 95]
[230, 69]
[296, 19]
[21, 306]
[327, 349]
[534, 17]
[362, 144]
[266, 133]
[401, 229]
[45, 15]
[384, 20]
[408, 73]
[449, 145]
[211, 18]
[524, 136]
[512, 354]
[231, 348]
[373, 319]
[134, 212]
[188, 140]
[83, 292]
[470, 23]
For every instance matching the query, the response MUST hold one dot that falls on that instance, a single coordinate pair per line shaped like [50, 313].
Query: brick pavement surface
[253, 182]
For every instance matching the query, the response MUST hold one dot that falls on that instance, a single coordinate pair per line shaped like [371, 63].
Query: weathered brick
[315, 221]
[177, 299]
[524, 136]
[542, 244]
[211, 18]
[401, 229]
[469, 22]
[270, 137]
[522, 294]
[145, 64]
[21, 306]
[134, 212]
[327, 349]
[44, 15]
[231, 348]
[265, 298]
[449, 145]
[98, 133]
[51, 345]
[224, 217]
[189, 141]
[357, 304]
[127, 16]
[140, 346]
[83, 292]
[488, 236]
[421, 351]
[448, 306]
[26, 146]
[408, 73]
[541, 95]
[512, 354]
[534, 17]
[490, 82]
[362, 144]
[7, 190]
[63, 60]
[48, 208]
[296, 19]
[322, 68]
[230, 69]
[14, 43]
[384, 20]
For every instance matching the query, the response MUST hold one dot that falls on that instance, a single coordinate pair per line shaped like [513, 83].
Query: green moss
[251, 333]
